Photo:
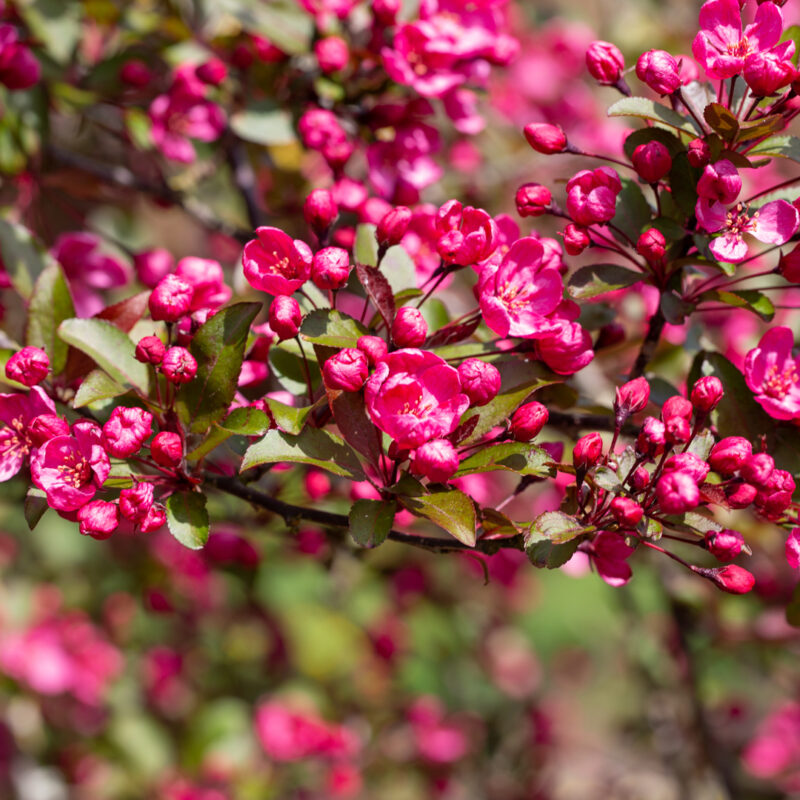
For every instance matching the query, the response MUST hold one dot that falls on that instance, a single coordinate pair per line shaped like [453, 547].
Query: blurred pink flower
[772, 374]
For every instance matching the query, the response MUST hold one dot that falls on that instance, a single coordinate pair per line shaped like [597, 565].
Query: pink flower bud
[767, 72]
[533, 200]
[587, 451]
[409, 328]
[605, 62]
[29, 366]
[320, 211]
[284, 316]
[479, 381]
[610, 335]
[528, 420]
[728, 455]
[640, 479]
[153, 265]
[652, 161]
[386, 11]
[126, 430]
[776, 497]
[677, 430]
[631, 397]
[347, 370]
[171, 299]
[135, 503]
[757, 469]
[436, 460]
[46, 427]
[699, 153]
[330, 268]
[740, 495]
[98, 519]
[155, 519]
[720, 181]
[317, 484]
[677, 493]
[213, 72]
[659, 70]
[150, 350]
[592, 195]
[546, 139]
[576, 239]
[706, 394]
[373, 347]
[789, 265]
[688, 463]
[731, 578]
[393, 226]
[652, 245]
[135, 73]
[179, 365]
[652, 437]
[166, 449]
[724, 545]
[332, 53]
[626, 512]
[676, 406]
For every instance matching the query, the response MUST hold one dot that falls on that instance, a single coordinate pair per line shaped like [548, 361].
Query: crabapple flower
[19, 68]
[46, 427]
[275, 263]
[347, 370]
[171, 299]
[126, 430]
[592, 195]
[793, 549]
[659, 70]
[409, 328]
[605, 62]
[330, 268]
[153, 265]
[576, 239]
[720, 181]
[706, 394]
[70, 469]
[699, 153]
[98, 519]
[757, 469]
[528, 420]
[772, 373]
[631, 397]
[320, 211]
[207, 280]
[135, 503]
[677, 492]
[393, 226]
[773, 223]
[652, 161]
[732, 579]
[566, 349]
[29, 366]
[436, 460]
[285, 316]
[609, 555]
[480, 381]
[17, 413]
[373, 347]
[724, 545]
[179, 365]
[545, 138]
[150, 350]
[626, 511]
[587, 451]
[167, 449]
[332, 53]
[415, 396]
[466, 235]
[652, 245]
[728, 454]
[533, 200]
[517, 296]
[766, 73]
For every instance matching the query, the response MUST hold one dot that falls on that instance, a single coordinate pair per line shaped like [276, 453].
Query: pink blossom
[466, 234]
[793, 549]
[518, 295]
[207, 279]
[438, 740]
[773, 223]
[415, 396]
[275, 263]
[17, 412]
[29, 366]
[566, 348]
[609, 555]
[775, 750]
[126, 430]
[592, 195]
[677, 492]
[771, 372]
[19, 68]
[436, 460]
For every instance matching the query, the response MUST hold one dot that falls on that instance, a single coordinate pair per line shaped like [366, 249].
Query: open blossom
[275, 263]
[517, 295]
[609, 555]
[415, 396]
[466, 235]
[70, 469]
[723, 48]
[774, 753]
[772, 374]
[17, 412]
[773, 223]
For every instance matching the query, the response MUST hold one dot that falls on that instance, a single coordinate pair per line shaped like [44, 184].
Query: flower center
[740, 49]
[75, 471]
[777, 383]
[738, 221]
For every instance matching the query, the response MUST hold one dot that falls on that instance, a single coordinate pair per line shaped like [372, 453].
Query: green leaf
[246, 422]
[50, 305]
[520, 457]
[778, 147]
[218, 347]
[607, 479]
[793, 608]
[633, 213]
[263, 122]
[683, 179]
[701, 445]
[358, 430]
[22, 256]
[721, 121]
[451, 510]
[34, 507]
[331, 328]
[288, 418]
[675, 308]
[97, 385]
[365, 249]
[753, 301]
[371, 521]
[543, 553]
[598, 279]
[755, 129]
[558, 527]
[55, 23]
[282, 22]
[314, 446]
[649, 109]
[110, 348]
[187, 518]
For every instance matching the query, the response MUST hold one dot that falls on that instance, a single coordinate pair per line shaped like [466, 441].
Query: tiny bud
[153, 265]
[135, 73]
[546, 139]
[98, 519]
[706, 394]
[213, 72]
[479, 381]
[740, 495]
[676, 406]
[728, 454]
[179, 365]
[436, 460]
[587, 451]
[731, 578]
[150, 350]
[135, 503]
[659, 70]
[171, 299]
[652, 161]
[576, 239]
[285, 316]
[46, 427]
[409, 328]
[652, 245]
[373, 347]
[320, 211]
[605, 62]
[166, 449]
[29, 366]
[699, 153]
[757, 469]
[332, 53]
[330, 268]
[347, 370]
[533, 200]
[626, 511]
[317, 484]
[528, 420]
[640, 479]
[724, 545]
[393, 226]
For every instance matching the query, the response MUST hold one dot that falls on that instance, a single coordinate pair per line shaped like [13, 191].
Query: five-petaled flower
[772, 373]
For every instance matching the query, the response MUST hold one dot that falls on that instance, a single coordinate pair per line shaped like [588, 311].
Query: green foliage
[451, 510]
[187, 518]
[371, 521]
[599, 279]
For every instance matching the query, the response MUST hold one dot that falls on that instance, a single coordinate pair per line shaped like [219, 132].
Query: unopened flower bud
[699, 153]
[284, 316]
[631, 397]
[706, 394]
[166, 449]
[659, 70]
[640, 479]
[98, 519]
[651, 438]
[126, 430]
[528, 420]
[688, 463]
[724, 545]
[677, 430]
[605, 62]
[393, 226]
[740, 495]
[347, 370]
[409, 328]
[652, 245]
[155, 519]
[153, 265]
[576, 239]
[676, 406]
[728, 455]
[757, 469]
[332, 53]
[677, 492]
[652, 161]
[479, 381]
[320, 211]
[317, 484]
[213, 72]
[587, 451]
[46, 427]
[626, 512]
[29, 366]
[135, 503]
[373, 347]
[386, 11]
[135, 73]
[330, 268]
[150, 350]
[731, 578]
[546, 139]
[789, 265]
[179, 365]
[171, 299]
[533, 200]
[436, 460]
[720, 181]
